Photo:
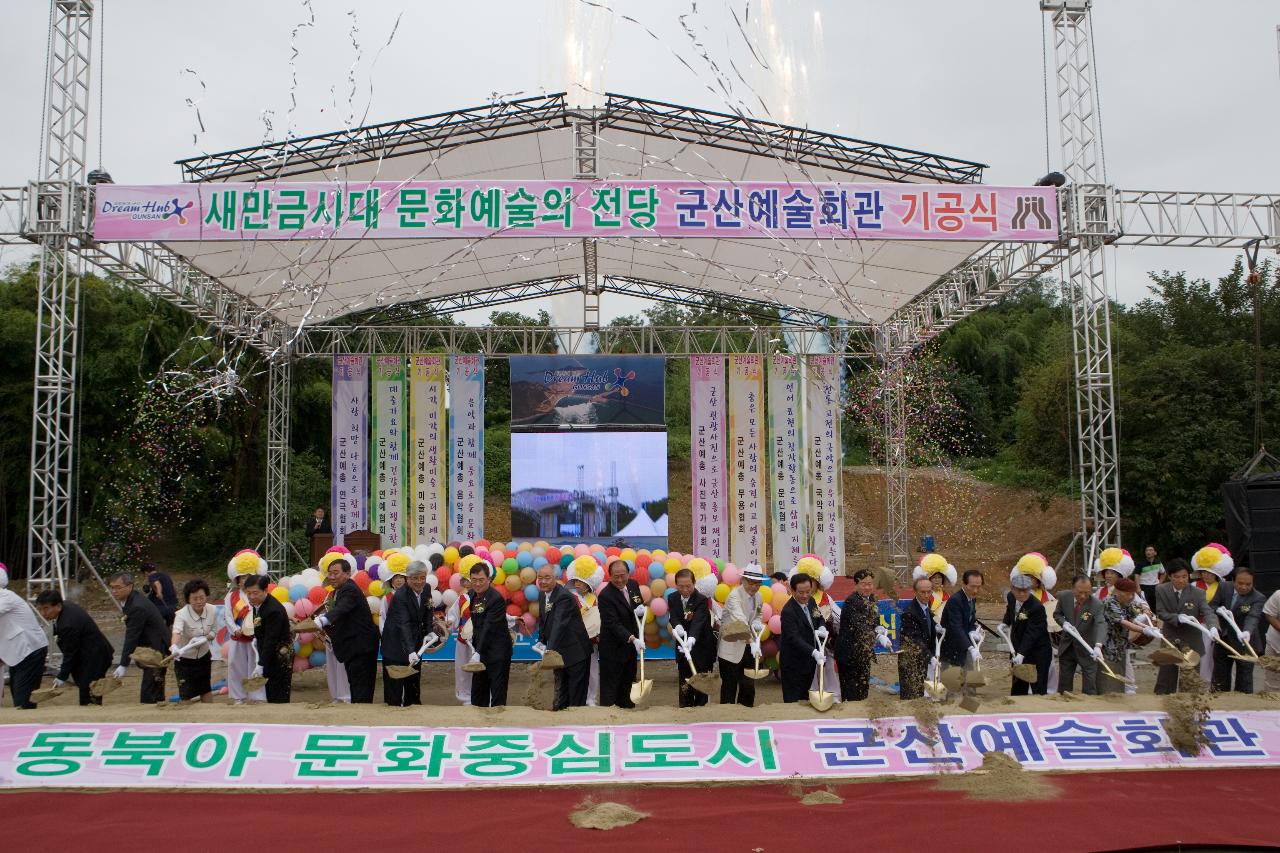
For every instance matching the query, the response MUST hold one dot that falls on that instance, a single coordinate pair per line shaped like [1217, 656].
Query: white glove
[1151, 632]
[974, 654]
[257, 672]
[639, 611]
[475, 657]
[819, 657]
[540, 648]
[638, 643]
[975, 636]
[678, 632]
[413, 658]
[756, 626]
[688, 643]
[430, 640]
[1096, 652]
[119, 673]
[1214, 635]
[1184, 619]
[174, 649]
[822, 633]
[1242, 637]
[755, 649]
[1016, 659]
[883, 641]
[322, 621]
[511, 620]
[58, 682]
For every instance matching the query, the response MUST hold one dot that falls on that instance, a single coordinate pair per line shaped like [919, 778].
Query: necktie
[1235, 599]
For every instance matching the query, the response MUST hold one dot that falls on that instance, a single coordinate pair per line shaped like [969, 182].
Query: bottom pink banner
[211, 755]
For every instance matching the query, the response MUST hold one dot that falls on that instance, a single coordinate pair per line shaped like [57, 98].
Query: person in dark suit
[798, 655]
[691, 625]
[163, 594]
[318, 523]
[1028, 625]
[490, 639]
[560, 629]
[917, 639]
[1245, 604]
[407, 623]
[272, 638]
[1081, 609]
[620, 639]
[1181, 607]
[143, 628]
[86, 652]
[960, 621]
[350, 627]
[859, 631]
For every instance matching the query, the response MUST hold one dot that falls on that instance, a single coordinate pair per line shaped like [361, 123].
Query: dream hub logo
[156, 211]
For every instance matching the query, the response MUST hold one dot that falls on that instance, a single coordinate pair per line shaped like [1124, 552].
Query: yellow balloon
[766, 594]
[514, 582]
[658, 587]
[375, 588]
[648, 620]
[280, 594]
[765, 633]
[528, 575]
[659, 556]
[450, 555]
[722, 592]
[671, 564]
[500, 578]
[627, 554]
[304, 650]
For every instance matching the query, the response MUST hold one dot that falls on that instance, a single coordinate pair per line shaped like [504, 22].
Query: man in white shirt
[23, 647]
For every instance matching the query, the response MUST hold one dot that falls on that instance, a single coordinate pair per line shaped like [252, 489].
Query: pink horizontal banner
[220, 755]
[471, 209]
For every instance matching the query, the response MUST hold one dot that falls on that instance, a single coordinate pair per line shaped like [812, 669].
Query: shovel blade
[757, 674]
[552, 659]
[821, 700]
[46, 694]
[952, 679]
[935, 690]
[1025, 672]
[103, 686]
[977, 678]
[640, 691]
[473, 667]
[705, 683]
[398, 672]
[256, 683]
[970, 703]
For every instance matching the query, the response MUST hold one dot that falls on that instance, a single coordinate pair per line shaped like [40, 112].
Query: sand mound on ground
[593, 815]
[821, 798]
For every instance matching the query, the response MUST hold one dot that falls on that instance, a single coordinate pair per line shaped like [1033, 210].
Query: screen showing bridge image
[606, 486]
[587, 392]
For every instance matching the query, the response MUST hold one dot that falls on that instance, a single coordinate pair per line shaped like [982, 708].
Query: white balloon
[437, 599]
[375, 603]
[433, 581]
[449, 597]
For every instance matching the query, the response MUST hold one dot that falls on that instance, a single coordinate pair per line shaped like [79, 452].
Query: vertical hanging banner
[429, 520]
[826, 508]
[788, 508]
[349, 463]
[746, 470]
[390, 418]
[707, 437]
[466, 447]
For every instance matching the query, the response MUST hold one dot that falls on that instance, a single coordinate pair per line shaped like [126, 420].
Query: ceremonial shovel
[149, 658]
[975, 677]
[103, 686]
[820, 699]
[1102, 662]
[399, 672]
[936, 689]
[46, 694]
[1267, 662]
[640, 690]
[194, 643]
[706, 683]
[1235, 654]
[1173, 655]
[1021, 671]
[756, 673]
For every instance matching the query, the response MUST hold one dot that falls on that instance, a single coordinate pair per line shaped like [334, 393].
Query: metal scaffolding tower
[276, 538]
[1090, 218]
[54, 221]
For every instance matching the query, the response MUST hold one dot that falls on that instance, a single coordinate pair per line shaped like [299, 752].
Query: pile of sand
[592, 815]
[1188, 711]
[825, 797]
[537, 695]
[1001, 777]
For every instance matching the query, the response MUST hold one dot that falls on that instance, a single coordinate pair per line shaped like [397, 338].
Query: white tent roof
[641, 525]
[310, 282]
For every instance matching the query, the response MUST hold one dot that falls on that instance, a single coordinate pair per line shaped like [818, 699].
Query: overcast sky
[1190, 89]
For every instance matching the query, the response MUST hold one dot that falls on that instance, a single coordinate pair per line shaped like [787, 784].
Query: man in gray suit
[1182, 608]
[1081, 609]
[1245, 605]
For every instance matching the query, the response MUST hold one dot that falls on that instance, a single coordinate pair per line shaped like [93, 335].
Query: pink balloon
[775, 625]
[731, 575]
[683, 559]
[671, 579]
[455, 582]
[766, 612]
[658, 605]
[303, 607]
[581, 551]
[529, 621]
[301, 664]
[306, 638]
[646, 594]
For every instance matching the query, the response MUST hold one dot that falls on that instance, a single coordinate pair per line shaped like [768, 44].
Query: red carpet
[1120, 811]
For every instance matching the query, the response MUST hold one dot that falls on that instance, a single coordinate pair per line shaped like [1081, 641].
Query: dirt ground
[311, 705]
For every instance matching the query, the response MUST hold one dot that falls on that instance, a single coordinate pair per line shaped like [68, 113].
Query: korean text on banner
[746, 468]
[387, 491]
[822, 399]
[707, 437]
[428, 474]
[349, 462]
[536, 208]
[466, 447]
[788, 507]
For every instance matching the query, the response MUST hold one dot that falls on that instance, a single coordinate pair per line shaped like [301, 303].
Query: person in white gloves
[799, 655]
[1245, 605]
[194, 628]
[86, 652]
[622, 611]
[1027, 627]
[1183, 609]
[960, 621]
[691, 614]
[1122, 613]
[744, 605]
[860, 631]
[143, 628]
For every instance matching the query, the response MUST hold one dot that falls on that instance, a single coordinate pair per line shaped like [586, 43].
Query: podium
[356, 540]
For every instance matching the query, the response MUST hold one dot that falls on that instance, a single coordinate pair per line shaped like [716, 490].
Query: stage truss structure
[53, 212]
